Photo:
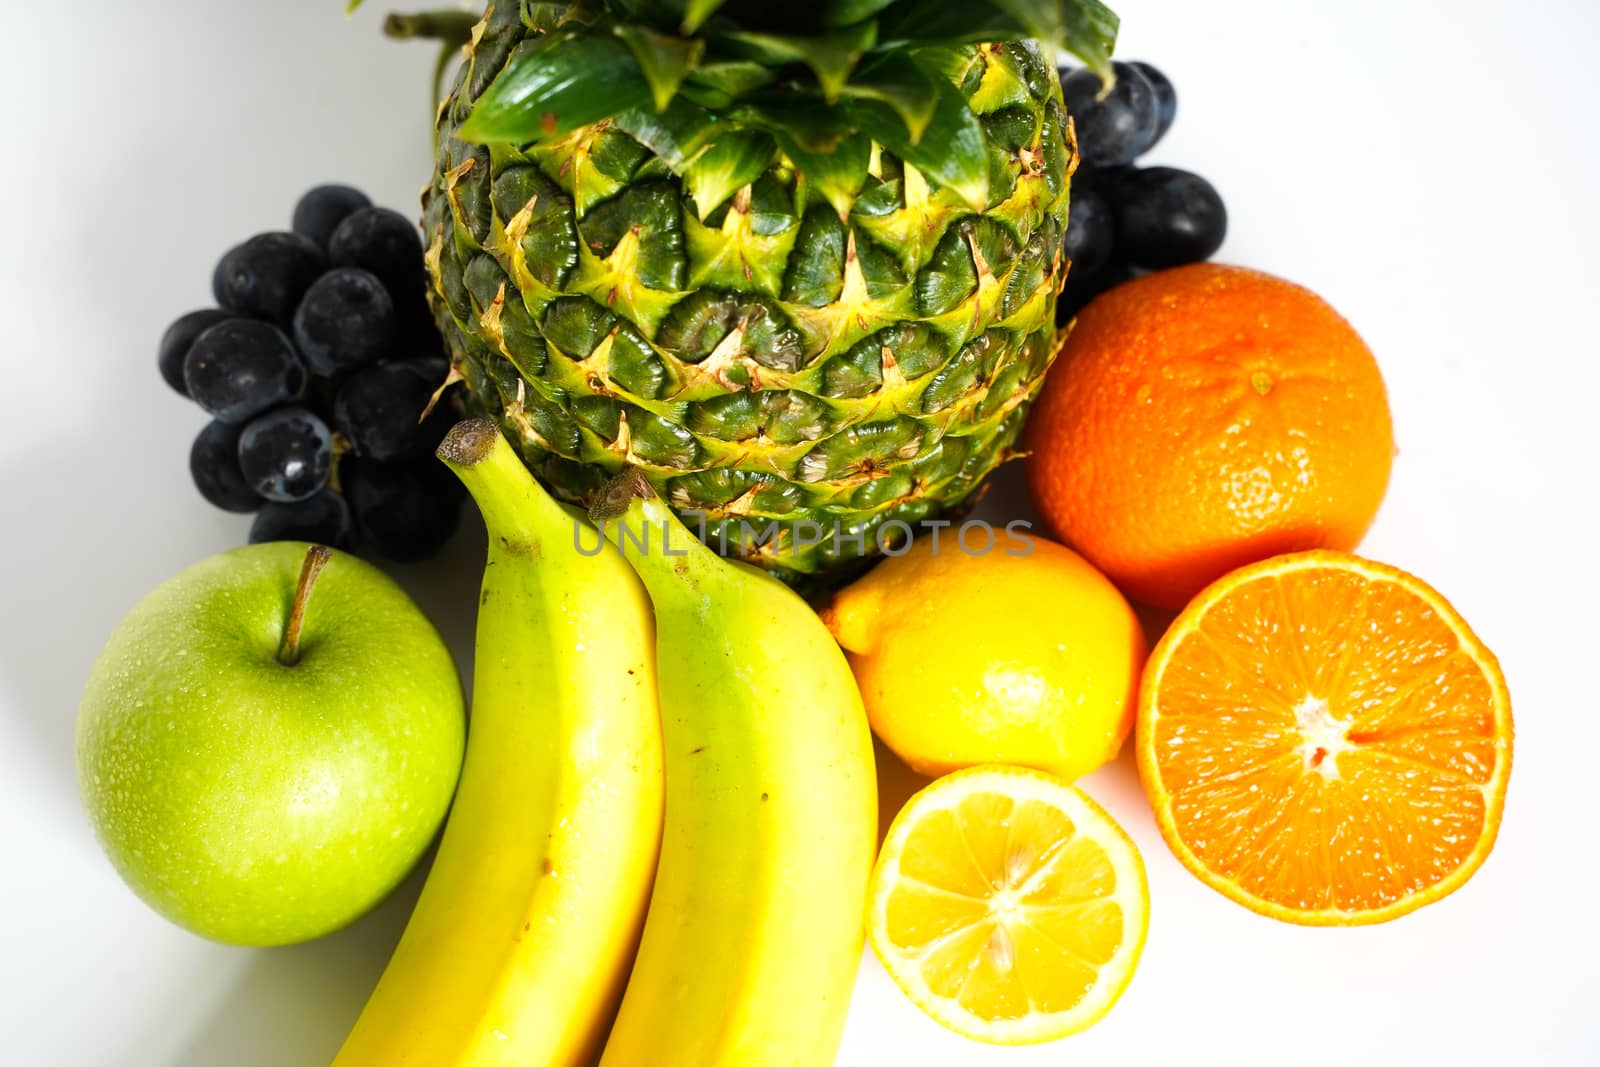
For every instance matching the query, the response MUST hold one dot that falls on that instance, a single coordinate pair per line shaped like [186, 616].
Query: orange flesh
[1006, 908]
[1327, 741]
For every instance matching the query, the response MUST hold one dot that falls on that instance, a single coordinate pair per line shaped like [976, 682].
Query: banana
[522, 940]
[756, 921]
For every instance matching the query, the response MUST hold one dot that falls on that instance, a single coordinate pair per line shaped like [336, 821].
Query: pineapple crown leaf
[682, 75]
[568, 78]
[830, 56]
[697, 11]
[663, 60]
[728, 164]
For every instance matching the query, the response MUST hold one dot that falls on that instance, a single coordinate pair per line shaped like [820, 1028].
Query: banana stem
[670, 559]
[520, 515]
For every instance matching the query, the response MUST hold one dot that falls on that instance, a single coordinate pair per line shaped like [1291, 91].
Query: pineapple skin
[770, 366]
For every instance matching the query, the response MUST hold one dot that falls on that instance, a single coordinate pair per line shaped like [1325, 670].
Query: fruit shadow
[1004, 498]
[446, 588]
[77, 561]
[293, 1006]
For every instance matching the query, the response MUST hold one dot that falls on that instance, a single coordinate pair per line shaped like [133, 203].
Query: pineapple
[797, 263]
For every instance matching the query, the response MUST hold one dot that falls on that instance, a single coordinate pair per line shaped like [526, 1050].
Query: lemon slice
[1008, 906]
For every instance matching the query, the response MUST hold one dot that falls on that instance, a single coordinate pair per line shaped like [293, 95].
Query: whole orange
[1203, 418]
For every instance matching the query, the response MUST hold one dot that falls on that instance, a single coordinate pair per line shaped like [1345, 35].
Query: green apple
[269, 742]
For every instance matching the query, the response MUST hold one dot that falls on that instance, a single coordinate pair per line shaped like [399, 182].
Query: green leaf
[564, 81]
[951, 150]
[648, 12]
[942, 22]
[1091, 33]
[896, 80]
[545, 16]
[836, 175]
[802, 116]
[836, 13]
[732, 161]
[717, 85]
[1086, 28]
[1042, 19]
[676, 135]
[831, 56]
[953, 63]
[697, 11]
[664, 60]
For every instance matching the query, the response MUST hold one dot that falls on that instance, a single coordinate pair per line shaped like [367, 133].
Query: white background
[1431, 168]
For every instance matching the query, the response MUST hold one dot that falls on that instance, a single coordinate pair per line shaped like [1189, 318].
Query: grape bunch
[1123, 217]
[326, 382]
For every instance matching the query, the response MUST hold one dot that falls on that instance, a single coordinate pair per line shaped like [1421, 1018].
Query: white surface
[1429, 168]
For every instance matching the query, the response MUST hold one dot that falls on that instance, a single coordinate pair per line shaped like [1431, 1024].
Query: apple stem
[317, 557]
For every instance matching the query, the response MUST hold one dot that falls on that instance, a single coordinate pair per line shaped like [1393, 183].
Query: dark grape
[385, 243]
[402, 511]
[322, 518]
[287, 454]
[345, 322]
[214, 465]
[1118, 129]
[1167, 217]
[1080, 292]
[241, 367]
[1091, 232]
[1166, 98]
[265, 277]
[379, 410]
[417, 332]
[434, 366]
[176, 341]
[323, 207]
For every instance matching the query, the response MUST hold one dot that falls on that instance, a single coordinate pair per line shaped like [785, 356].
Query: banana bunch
[764, 826]
[756, 922]
[523, 937]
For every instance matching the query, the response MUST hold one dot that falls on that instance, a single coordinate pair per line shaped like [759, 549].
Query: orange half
[1325, 741]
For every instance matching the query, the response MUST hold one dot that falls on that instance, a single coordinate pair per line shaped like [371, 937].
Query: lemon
[996, 658]
[1008, 906]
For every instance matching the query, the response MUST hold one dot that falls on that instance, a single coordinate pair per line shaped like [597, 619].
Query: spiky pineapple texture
[795, 267]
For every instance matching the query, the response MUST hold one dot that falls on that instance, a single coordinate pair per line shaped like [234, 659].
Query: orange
[1203, 418]
[1325, 741]
[1008, 906]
